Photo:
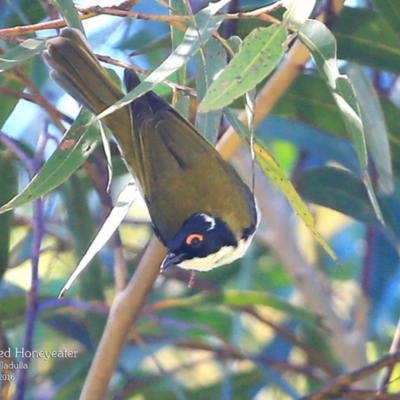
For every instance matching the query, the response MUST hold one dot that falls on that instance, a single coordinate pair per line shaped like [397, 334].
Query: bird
[201, 210]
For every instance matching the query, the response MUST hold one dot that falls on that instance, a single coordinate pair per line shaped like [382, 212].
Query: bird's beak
[171, 259]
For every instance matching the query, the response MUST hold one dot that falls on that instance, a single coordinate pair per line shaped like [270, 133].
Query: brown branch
[337, 386]
[368, 395]
[29, 97]
[109, 60]
[315, 357]
[122, 10]
[123, 313]
[394, 347]
[261, 13]
[229, 350]
[27, 29]
[39, 98]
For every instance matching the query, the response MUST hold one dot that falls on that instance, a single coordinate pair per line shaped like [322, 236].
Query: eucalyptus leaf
[77, 144]
[198, 33]
[110, 225]
[210, 60]
[322, 45]
[340, 190]
[365, 37]
[69, 12]
[26, 50]
[273, 171]
[376, 133]
[259, 54]
[297, 11]
[390, 11]
[178, 7]
[9, 187]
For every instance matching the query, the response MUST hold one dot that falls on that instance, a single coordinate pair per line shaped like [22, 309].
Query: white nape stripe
[225, 255]
[210, 220]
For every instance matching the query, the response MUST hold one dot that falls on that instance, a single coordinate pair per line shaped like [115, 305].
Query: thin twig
[31, 98]
[394, 348]
[175, 86]
[338, 385]
[32, 295]
[8, 34]
[39, 99]
[260, 13]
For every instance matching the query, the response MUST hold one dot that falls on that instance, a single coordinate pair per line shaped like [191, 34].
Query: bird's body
[200, 208]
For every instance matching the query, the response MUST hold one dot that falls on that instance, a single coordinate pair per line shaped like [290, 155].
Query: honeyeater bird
[200, 208]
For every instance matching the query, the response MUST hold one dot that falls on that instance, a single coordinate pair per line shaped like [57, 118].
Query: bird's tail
[78, 72]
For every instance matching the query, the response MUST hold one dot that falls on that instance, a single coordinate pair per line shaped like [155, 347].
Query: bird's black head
[203, 243]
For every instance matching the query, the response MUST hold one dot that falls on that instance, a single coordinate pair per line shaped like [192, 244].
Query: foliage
[283, 321]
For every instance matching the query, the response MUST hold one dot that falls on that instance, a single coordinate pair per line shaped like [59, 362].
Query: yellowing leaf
[274, 171]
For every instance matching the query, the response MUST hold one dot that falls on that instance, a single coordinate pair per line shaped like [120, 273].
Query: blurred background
[277, 324]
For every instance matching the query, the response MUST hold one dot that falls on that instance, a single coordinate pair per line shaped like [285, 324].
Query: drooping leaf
[376, 134]
[178, 7]
[273, 171]
[210, 60]
[206, 23]
[77, 144]
[26, 50]
[70, 14]
[9, 187]
[240, 298]
[365, 37]
[340, 190]
[81, 225]
[390, 11]
[110, 225]
[322, 45]
[297, 11]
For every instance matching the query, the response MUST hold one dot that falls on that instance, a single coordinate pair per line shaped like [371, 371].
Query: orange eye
[194, 240]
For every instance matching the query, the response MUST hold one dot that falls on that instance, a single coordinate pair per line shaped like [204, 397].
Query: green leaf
[68, 157]
[376, 134]
[309, 100]
[7, 102]
[340, 190]
[125, 199]
[21, 53]
[178, 7]
[12, 306]
[392, 120]
[183, 105]
[365, 37]
[322, 45]
[390, 11]
[259, 54]
[81, 226]
[297, 11]
[9, 187]
[240, 298]
[198, 33]
[273, 171]
[210, 60]
[69, 12]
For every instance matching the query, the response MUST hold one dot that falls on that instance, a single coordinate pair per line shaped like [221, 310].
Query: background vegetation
[285, 322]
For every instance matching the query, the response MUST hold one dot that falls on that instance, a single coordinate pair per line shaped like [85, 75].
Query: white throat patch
[225, 255]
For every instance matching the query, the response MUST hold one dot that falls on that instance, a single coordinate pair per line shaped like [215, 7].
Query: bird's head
[205, 242]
